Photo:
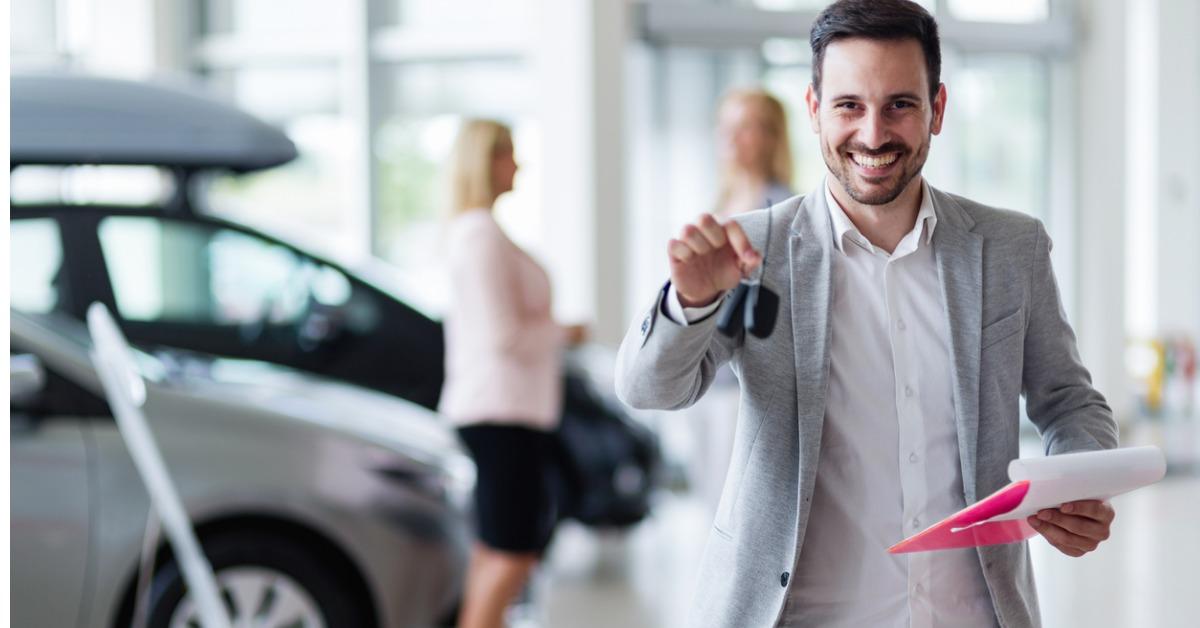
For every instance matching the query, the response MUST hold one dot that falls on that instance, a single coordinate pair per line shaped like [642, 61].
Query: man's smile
[874, 165]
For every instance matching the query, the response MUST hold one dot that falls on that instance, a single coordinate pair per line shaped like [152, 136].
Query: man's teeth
[880, 161]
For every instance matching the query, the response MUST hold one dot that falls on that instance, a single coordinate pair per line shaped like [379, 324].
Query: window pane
[303, 201]
[280, 94]
[307, 18]
[36, 251]
[995, 145]
[191, 273]
[809, 5]
[1007, 11]
[412, 146]
[309, 199]
[789, 85]
[460, 12]
[498, 89]
[34, 38]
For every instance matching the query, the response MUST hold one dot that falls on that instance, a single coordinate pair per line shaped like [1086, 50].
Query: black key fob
[729, 320]
[761, 309]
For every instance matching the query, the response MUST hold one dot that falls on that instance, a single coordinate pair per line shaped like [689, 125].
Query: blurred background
[1082, 113]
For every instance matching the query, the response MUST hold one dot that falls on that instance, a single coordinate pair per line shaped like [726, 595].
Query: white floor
[1147, 574]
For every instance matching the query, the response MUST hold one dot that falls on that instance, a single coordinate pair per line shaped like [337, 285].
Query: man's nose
[873, 129]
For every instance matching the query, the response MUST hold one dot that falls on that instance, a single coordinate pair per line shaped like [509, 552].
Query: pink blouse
[503, 348]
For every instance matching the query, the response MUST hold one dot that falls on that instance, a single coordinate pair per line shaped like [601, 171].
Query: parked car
[317, 503]
[176, 276]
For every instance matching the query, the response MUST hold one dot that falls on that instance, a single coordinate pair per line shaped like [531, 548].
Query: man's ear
[814, 108]
[939, 110]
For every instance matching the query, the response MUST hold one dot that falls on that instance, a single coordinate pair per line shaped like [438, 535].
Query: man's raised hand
[709, 258]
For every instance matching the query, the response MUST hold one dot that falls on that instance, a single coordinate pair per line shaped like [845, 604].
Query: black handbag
[610, 463]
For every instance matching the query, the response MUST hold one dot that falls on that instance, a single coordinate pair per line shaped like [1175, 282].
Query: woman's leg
[494, 578]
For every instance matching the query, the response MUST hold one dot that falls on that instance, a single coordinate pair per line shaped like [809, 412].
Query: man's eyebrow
[896, 96]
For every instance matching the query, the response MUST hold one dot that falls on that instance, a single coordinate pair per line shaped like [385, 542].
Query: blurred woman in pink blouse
[503, 375]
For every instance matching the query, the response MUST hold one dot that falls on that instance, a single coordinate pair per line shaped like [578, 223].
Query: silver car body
[378, 480]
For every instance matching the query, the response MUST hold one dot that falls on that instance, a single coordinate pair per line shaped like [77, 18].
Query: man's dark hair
[877, 19]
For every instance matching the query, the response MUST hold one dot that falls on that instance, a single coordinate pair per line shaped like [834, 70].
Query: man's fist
[708, 259]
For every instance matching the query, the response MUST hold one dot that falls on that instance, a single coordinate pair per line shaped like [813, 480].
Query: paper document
[1037, 484]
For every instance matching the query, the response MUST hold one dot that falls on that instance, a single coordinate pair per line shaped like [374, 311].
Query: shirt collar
[843, 227]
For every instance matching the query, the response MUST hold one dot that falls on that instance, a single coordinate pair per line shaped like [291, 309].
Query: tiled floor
[1147, 574]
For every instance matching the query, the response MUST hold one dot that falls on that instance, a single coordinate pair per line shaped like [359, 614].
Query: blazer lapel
[810, 246]
[959, 255]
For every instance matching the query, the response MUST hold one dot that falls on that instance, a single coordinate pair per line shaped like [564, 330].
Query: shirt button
[916, 523]
[908, 391]
[783, 579]
[919, 589]
[913, 457]
[900, 325]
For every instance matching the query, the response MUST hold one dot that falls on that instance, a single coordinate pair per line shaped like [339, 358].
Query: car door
[52, 501]
[200, 284]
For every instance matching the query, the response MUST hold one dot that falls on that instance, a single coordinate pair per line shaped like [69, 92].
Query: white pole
[126, 393]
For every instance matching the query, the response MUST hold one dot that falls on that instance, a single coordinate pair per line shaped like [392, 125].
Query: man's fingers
[712, 230]
[679, 250]
[1092, 509]
[1080, 526]
[741, 244]
[1067, 542]
[696, 240]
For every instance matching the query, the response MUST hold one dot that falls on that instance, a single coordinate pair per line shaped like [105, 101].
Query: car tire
[294, 570]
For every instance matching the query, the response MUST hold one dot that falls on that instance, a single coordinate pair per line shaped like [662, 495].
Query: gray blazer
[1009, 336]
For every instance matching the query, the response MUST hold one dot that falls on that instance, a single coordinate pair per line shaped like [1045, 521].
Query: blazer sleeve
[663, 365]
[1069, 413]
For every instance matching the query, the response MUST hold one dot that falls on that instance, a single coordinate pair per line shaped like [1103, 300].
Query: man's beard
[842, 170]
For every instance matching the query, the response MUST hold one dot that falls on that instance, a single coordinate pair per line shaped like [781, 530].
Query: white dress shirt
[889, 463]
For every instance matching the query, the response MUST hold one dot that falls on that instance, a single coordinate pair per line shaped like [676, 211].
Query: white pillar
[579, 55]
[1101, 178]
[1177, 189]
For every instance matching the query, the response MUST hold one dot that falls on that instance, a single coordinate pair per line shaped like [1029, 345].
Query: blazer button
[645, 325]
[783, 579]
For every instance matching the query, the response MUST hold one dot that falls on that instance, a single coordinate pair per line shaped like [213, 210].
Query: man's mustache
[890, 147]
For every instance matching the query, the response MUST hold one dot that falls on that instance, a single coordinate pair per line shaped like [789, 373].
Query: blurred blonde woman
[503, 375]
[755, 155]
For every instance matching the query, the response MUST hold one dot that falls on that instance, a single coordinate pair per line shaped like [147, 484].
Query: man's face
[875, 118]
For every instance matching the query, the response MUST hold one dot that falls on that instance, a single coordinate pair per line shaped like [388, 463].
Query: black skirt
[515, 505]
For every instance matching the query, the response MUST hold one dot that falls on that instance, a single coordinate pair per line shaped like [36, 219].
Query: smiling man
[888, 396]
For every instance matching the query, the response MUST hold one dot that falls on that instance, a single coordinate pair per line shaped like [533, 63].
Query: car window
[85, 185]
[189, 272]
[38, 279]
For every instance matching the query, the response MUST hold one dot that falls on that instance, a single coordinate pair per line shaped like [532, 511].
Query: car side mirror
[26, 379]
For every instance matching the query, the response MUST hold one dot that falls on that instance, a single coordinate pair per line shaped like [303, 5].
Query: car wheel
[265, 581]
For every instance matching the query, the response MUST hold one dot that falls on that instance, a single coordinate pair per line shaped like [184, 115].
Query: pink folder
[1039, 483]
[963, 528]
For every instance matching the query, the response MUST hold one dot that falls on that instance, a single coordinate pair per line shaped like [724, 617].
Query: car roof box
[78, 119]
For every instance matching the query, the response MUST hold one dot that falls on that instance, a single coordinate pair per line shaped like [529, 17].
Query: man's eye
[845, 105]
[903, 104]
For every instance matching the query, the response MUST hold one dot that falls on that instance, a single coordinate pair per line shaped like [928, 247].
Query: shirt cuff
[686, 315]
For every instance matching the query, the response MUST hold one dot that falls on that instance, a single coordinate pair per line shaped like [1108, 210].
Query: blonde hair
[469, 171]
[775, 118]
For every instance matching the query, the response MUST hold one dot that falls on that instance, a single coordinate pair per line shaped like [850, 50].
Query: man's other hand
[1075, 528]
